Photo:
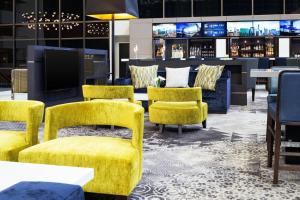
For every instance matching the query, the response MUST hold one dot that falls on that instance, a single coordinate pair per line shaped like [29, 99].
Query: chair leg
[161, 128]
[179, 130]
[204, 124]
[277, 152]
[253, 94]
[12, 95]
[270, 141]
[112, 128]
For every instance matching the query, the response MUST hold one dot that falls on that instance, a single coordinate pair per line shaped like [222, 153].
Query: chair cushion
[143, 77]
[42, 191]
[115, 160]
[207, 76]
[179, 113]
[177, 77]
[191, 105]
[11, 143]
[272, 109]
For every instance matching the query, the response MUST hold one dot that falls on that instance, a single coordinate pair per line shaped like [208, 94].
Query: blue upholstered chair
[285, 111]
[273, 83]
[263, 63]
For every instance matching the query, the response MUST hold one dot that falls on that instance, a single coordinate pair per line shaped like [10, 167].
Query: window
[25, 31]
[72, 10]
[48, 11]
[264, 7]
[6, 54]
[150, 8]
[51, 43]
[97, 44]
[97, 29]
[48, 30]
[25, 11]
[21, 52]
[71, 30]
[178, 8]
[292, 6]
[6, 7]
[72, 43]
[237, 7]
[6, 32]
[207, 8]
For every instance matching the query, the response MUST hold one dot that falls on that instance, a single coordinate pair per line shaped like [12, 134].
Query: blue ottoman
[42, 191]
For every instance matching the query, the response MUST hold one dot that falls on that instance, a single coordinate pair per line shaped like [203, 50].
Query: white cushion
[177, 77]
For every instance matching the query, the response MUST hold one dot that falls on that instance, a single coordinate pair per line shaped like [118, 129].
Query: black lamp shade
[109, 9]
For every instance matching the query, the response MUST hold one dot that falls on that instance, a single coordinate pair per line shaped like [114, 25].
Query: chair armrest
[34, 120]
[223, 90]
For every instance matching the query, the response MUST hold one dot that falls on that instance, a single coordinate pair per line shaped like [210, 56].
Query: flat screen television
[266, 28]
[164, 30]
[214, 29]
[240, 29]
[61, 69]
[188, 30]
[289, 27]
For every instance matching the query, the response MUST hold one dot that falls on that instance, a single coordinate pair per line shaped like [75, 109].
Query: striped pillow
[142, 77]
[208, 75]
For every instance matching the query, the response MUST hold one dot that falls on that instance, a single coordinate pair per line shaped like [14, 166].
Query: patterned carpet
[225, 161]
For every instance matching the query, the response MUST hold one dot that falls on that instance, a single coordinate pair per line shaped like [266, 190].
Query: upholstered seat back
[273, 82]
[289, 96]
[30, 112]
[17, 111]
[175, 94]
[108, 92]
[100, 112]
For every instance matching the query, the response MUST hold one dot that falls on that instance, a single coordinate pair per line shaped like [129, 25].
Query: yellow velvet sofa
[12, 142]
[117, 162]
[125, 93]
[176, 106]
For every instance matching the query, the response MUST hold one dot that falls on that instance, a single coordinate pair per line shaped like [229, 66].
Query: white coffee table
[12, 173]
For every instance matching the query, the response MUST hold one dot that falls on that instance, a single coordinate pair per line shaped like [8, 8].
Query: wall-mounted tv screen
[61, 69]
[164, 30]
[290, 27]
[187, 30]
[214, 29]
[266, 28]
[240, 29]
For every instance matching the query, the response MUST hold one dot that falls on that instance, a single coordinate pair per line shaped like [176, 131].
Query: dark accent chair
[263, 63]
[218, 101]
[284, 111]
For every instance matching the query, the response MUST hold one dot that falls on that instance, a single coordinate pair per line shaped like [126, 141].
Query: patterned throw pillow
[207, 76]
[142, 77]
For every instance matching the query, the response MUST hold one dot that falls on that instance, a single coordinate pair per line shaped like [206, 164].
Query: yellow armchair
[12, 142]
[117, 162]
[176, 106]
[91, 92]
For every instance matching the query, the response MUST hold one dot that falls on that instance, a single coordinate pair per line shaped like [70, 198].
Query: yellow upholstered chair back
[91, 92]
[115, 113]
[30, 112]
[174, 94]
